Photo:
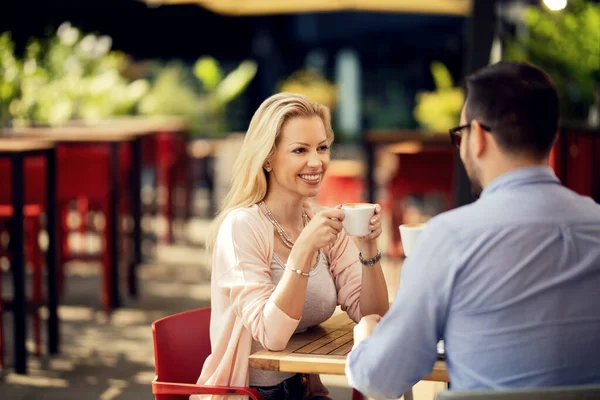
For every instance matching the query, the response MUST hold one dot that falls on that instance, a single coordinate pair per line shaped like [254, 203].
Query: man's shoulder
[458, 217]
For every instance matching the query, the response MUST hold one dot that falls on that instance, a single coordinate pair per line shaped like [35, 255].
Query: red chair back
[181, 345]
[35, 181]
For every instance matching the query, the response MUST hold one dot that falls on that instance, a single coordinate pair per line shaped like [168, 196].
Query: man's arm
[403, 347]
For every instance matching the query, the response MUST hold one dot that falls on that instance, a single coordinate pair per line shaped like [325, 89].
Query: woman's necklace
[287, 241]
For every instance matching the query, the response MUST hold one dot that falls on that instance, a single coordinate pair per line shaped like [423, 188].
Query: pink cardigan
[241, 289]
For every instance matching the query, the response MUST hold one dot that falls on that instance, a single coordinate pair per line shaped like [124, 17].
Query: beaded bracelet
[370, 261]
[298, 271]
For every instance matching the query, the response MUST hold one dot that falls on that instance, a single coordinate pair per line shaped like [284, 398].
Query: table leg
[18, 264]
[51, 258]
[113, 246]
[136, 213]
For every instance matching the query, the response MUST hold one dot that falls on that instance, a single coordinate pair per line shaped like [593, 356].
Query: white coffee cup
[409, 234]
[357, 217]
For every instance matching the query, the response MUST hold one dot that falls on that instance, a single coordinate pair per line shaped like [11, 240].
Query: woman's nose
[314, 160]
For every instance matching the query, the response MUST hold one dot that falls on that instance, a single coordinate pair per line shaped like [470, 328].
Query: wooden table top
[397, 136]
[15, 145]
[145, 124]
[110, 130]
[410, 141]
[322, 350]
[73, 133]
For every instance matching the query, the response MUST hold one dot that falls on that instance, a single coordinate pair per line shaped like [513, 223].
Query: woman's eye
[324, 148]
[299, 150]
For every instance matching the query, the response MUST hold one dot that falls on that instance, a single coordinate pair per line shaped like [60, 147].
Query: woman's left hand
[374, 226]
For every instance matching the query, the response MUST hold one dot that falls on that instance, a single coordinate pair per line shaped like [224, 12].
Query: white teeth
[311, 177]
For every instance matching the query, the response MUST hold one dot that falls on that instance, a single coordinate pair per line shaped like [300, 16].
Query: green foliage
[566, 44]
[218, 90]
[439, 110]
[208, 71]
[171, 94]
[72, 76]
[200, 93]
[9, 76]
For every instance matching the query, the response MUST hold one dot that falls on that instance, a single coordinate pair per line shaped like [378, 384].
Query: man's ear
[479, 139]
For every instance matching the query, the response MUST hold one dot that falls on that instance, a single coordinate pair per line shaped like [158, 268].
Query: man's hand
[365, 328]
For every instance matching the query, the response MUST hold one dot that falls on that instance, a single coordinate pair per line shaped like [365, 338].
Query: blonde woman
[279, 265]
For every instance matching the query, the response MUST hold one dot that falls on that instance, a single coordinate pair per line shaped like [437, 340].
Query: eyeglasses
[456, 133]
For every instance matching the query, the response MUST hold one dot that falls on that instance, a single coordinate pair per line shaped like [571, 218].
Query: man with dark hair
[521, 103]
[511, 282]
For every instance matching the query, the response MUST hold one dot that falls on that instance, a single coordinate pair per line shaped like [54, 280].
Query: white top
[319, 306]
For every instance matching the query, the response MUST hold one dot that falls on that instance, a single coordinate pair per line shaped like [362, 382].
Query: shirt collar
[521, 176]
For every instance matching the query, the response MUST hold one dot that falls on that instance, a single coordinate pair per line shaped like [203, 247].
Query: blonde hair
[249, 183]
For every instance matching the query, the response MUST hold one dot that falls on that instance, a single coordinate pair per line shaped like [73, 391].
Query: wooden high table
[17, 150]
[112, 136]
[112, 133]
[399, 142]
[322, 350]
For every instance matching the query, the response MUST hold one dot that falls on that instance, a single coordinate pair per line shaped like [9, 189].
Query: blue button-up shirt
[511, 282]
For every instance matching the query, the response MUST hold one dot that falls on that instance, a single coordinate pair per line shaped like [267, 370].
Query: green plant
[437, 111]
[171, 93]
[312, 84]
[218, 90]
[200, 93]
[9, 76]
[73, 76]
[567, 45]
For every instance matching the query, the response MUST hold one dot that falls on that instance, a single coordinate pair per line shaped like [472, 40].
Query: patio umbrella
[264, 7]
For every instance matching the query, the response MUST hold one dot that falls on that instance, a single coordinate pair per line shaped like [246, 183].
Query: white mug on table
[409, 234]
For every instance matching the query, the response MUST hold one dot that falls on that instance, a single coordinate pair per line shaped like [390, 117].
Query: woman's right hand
[322, 230]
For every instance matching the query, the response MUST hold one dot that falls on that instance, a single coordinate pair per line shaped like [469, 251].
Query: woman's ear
[267, 166]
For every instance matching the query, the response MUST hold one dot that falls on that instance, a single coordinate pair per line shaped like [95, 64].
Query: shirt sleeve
[244, 256]
[403, 347]
[346, 270]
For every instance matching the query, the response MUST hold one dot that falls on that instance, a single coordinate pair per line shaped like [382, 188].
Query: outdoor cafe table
[322, 350]
[112, 133]
[111, 136]
[17, 150]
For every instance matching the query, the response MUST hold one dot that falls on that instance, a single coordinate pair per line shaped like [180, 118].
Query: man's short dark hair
[519, 103]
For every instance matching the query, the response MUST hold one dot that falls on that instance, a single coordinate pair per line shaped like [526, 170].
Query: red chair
[171, 161]
[181, 345]
[83, 176]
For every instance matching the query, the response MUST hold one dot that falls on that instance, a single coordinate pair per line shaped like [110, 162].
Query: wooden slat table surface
[322, 350]
[85, 134]
[15, 145]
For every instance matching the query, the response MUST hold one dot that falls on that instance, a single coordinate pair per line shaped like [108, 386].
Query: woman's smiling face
[301, 158]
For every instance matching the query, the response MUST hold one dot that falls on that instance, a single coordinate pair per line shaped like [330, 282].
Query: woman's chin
[311, 193]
